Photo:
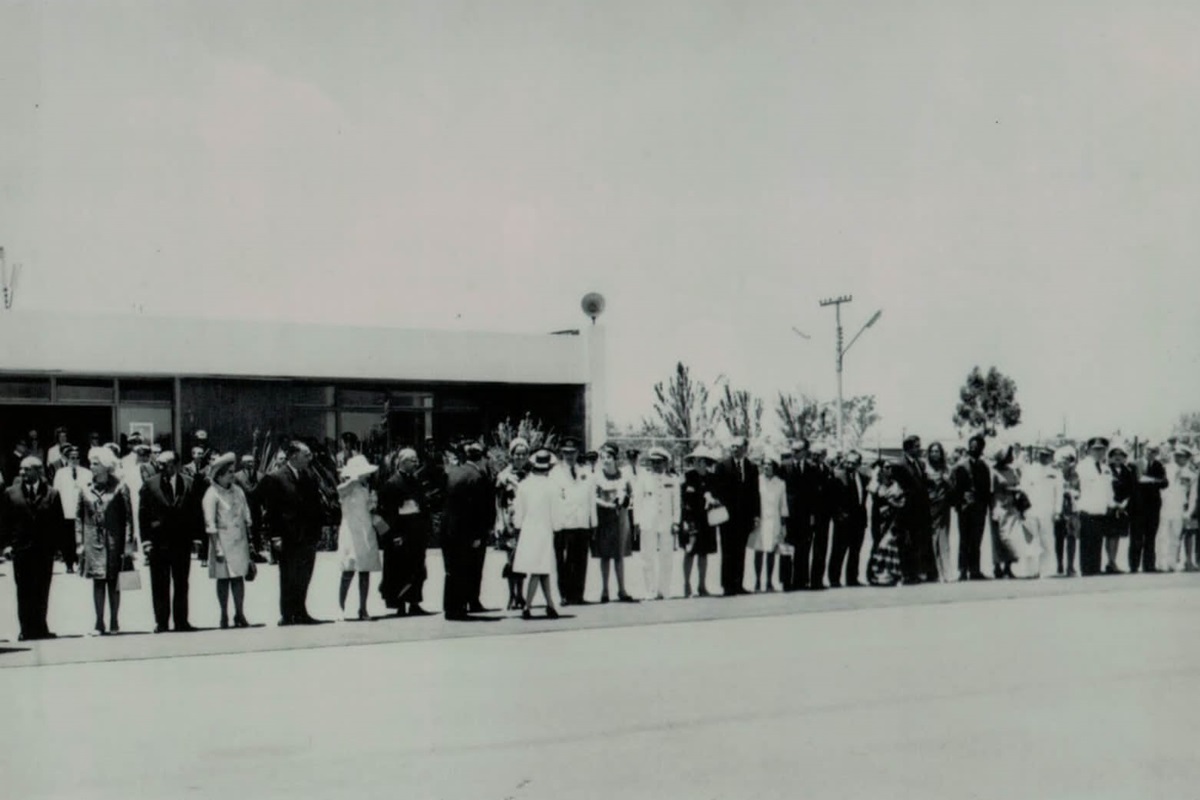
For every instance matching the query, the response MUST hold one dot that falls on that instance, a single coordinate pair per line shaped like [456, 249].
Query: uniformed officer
[658, 515]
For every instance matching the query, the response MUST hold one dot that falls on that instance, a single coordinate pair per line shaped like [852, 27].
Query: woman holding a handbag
[701, 513]
[104, 531]
[227, 523]
[358, 545]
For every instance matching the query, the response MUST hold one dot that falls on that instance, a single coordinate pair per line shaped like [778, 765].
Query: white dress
[773, 495]
[358, 547]
[534, 517]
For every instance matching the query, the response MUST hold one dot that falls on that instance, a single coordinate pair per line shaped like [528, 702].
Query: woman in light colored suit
[227, 522]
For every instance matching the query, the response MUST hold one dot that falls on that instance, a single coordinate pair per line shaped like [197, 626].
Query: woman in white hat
[534, 513]
[1179, 504]
[773, 510]
[104, 530]
[507, 483]
[227, 522]
[698, 536]
[1016, 553]
[358, 546]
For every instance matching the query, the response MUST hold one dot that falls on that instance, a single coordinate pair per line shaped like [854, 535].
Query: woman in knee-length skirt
[534, 516]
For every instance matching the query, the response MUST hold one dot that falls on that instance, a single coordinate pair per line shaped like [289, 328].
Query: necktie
[75, 473]
[742, 470]
[572, 472]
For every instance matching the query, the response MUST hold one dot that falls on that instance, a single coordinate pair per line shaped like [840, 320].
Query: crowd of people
[803, 513]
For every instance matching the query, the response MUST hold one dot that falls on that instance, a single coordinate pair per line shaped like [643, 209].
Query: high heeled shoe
[240, 622]
[224, 621]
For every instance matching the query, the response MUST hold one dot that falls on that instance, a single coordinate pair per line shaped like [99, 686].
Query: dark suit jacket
[1149, 495]
[916, 513]
[292, 506]
[470, 511]
[971, 476]
[30, 522]
[739, 496]
[805, 483]
[170, 522]
[850, 503]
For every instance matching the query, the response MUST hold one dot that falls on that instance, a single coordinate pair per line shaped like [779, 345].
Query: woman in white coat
[358, 546]
[765, 540]
[534, 516]
[227, 522]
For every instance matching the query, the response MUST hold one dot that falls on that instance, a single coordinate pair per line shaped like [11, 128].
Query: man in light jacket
[1043, 485]
[659, 510]
[576, 520]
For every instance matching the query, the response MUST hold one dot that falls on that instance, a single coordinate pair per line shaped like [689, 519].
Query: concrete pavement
[1091, 695]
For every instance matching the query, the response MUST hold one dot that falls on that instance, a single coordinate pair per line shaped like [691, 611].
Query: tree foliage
[741, 412]
[987, 402]
[681, 407]
[859, 416]
[800, 417]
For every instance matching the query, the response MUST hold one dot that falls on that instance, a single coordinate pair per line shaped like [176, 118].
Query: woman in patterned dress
[104, 530]
[884, 567]
[938, 481]
[227, 523]
[613, 542]
[507, 483]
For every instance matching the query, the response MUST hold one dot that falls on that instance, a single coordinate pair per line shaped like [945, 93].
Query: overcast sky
[1015, 184]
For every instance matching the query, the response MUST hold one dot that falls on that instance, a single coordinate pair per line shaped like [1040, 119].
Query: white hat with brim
[658, 454]
[30, 461]
[358, 467]
[1184, 450]
[227, 460]
[703, 452]
[1118, 447]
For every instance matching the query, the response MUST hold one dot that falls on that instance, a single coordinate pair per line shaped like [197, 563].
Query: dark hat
[633, 452]
[591, 456]
[135, 436]
[542, 460]
[1097, 442]
[609, 447]
[569, 443]
[70, 450]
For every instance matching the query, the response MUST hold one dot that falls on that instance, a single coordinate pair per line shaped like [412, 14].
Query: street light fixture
[837, 302]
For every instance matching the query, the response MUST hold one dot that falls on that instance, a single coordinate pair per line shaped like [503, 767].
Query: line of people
[802, 515]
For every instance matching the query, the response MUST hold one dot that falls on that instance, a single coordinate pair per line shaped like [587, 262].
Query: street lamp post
[836, 302]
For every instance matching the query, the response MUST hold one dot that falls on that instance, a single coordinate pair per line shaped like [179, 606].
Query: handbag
[718, 515]
[129, 579]
[251, 572]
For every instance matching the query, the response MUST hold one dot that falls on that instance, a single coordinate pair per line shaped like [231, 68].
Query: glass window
[154, 420]
[363, 424]
[81, 391]
[137, 391]
[361, 397]
[24, 388]
[411, 400]
[312, 395]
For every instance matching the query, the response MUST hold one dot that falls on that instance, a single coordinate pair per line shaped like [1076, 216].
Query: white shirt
[1095, 487]
[657, 501]
[69, 489]
[577, 498]
[1179, 498]
[1043, 484]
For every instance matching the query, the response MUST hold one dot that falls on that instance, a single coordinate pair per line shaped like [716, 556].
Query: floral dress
[507, 483]
[104, 523]
[884, 567]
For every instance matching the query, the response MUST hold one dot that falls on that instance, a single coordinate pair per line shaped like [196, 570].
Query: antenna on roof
[9, 280]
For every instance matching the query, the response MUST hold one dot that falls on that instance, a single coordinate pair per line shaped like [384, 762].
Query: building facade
[242, 381]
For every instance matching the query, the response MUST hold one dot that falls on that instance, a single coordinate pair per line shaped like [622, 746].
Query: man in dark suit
[1147, 511]
[30, 515]
[849, 497]
[292, 503]
[916, 518]
[972, 497]
[405, 508]
[171, 518]
[737, 489]
[470, 515]
[822, 499]
[247, 478]
[803, 481]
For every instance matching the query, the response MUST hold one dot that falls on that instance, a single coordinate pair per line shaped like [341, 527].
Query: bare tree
[681, 407]
[741, 412]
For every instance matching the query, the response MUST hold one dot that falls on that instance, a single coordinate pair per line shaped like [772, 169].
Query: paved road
[1091, 695]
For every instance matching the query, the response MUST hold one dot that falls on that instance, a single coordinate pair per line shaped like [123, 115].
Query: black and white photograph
[544, 399]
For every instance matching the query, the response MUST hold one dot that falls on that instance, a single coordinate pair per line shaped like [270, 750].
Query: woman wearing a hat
[358, 546]
[104, 529]
[533, 516]
[227, 523]
[699, 538]
[613, 541]
[1014, 556]
[1124, 480]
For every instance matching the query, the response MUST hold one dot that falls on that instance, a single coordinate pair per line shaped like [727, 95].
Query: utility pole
[836, 302]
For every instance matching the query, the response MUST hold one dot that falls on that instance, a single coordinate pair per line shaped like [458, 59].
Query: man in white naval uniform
[1043, 485]
[658, 509]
